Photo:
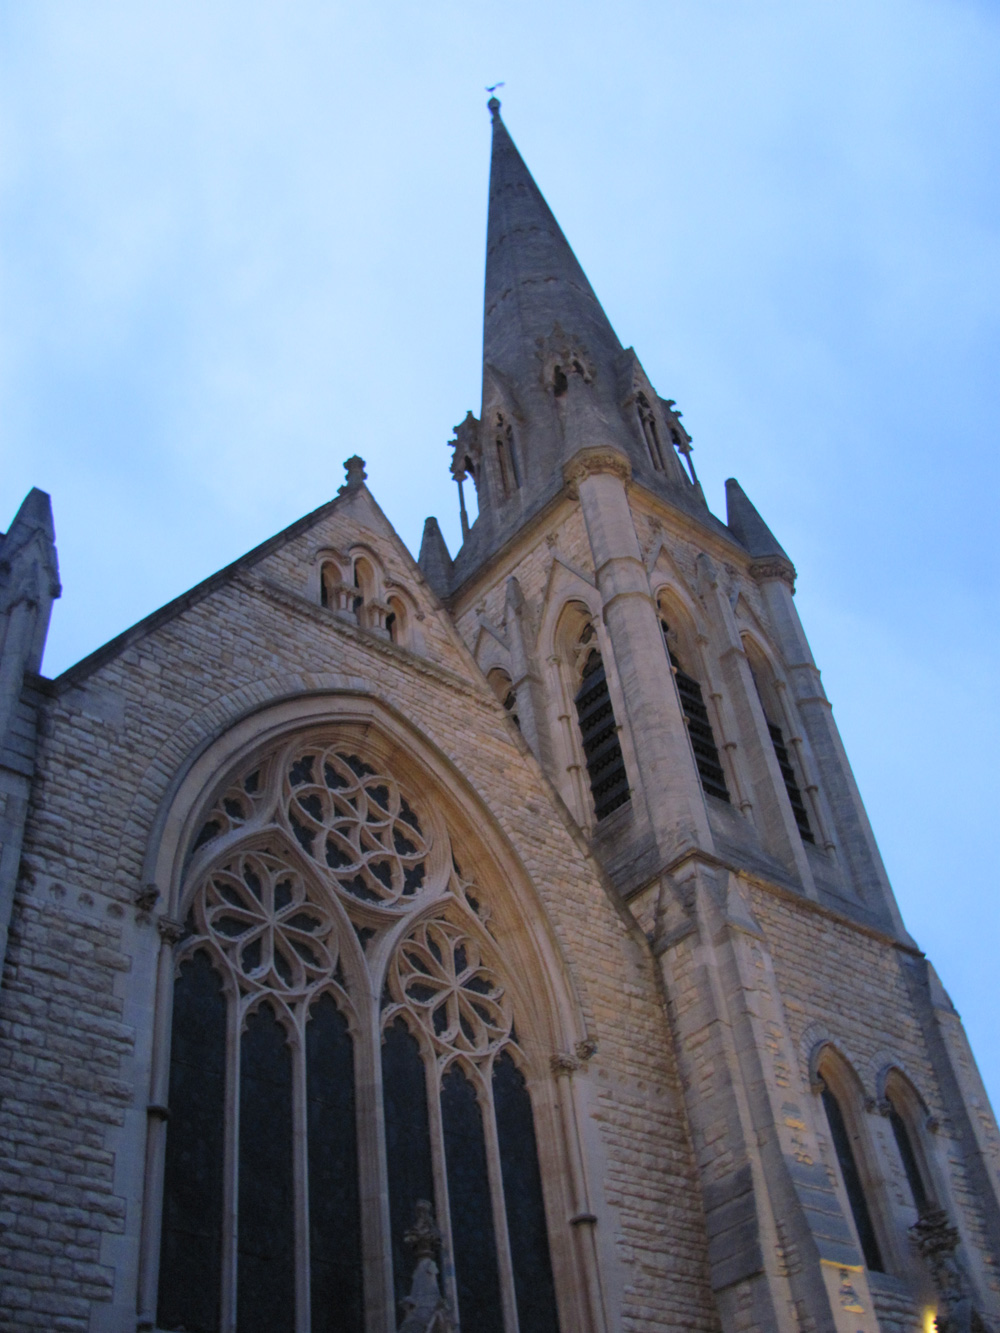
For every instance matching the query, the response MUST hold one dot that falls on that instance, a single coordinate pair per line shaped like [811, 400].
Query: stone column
[781, 1253]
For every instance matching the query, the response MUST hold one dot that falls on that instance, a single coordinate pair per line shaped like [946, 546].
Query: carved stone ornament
[424, 1308]
[171, 931]
[598, 458]
[356, 474]
[772, 569]
[936, 1240]
[467, 448]
[563, 1064]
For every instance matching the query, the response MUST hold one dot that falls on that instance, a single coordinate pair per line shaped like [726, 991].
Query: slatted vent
[599, 733]
[791, 786]
[699, 725]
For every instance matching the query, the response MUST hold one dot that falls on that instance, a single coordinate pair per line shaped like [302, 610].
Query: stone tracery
[309, 850]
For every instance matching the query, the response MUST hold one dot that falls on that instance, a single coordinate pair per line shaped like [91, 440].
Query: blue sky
[242, 241]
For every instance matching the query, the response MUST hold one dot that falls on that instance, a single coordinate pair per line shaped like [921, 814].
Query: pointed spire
[434, 560]
[533, 279]
[747, 526]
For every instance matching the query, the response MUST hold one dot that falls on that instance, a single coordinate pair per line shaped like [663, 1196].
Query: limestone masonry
[495, 943]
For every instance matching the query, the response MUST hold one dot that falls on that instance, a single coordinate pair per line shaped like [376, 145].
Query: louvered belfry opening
[791, 786]
[699, 725]
[599, 733]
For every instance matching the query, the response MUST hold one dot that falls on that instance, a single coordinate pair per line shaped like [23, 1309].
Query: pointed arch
[908, 1119]
[498, 916]
[683, 644]
[785, 735]
[841, 1093]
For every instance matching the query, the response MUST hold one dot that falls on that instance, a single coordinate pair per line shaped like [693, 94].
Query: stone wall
[76, 1005]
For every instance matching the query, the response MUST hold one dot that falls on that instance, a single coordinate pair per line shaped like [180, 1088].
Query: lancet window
[506, 457]
[838, 1104]
[699, 723]
[905, 1115]
[771, 705]
[650, 432]
[599, 729]
[330, 932]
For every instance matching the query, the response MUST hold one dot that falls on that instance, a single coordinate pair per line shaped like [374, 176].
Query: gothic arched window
[696, 716]
[840, 1105]
[329, 934]
[650, 433]
[906, 1116]
[788, 761]
[599, 730]
[506, 456]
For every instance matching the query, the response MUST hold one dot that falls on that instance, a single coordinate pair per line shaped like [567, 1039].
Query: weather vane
[495, 87]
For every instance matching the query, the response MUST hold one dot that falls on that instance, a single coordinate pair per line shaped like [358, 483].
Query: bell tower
[654, 662]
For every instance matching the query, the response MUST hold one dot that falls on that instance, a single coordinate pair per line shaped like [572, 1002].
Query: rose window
[356, 823]
[440, 977]
[259, 912]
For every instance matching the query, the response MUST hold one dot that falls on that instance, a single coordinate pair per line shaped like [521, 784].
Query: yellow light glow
[930, 1320]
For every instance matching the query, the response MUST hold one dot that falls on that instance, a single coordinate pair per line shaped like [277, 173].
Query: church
[495, 943]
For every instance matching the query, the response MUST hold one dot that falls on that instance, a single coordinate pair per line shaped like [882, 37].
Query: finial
[356, 474]
[494, 103]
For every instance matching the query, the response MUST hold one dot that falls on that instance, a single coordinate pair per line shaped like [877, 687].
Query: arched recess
[242, 798]
[841, 1093]
[897, 1096]
[786, 737]
[584, 695]
[699, 704]
[503, 687]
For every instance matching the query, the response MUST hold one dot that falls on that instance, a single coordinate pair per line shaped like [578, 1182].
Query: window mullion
[230, 1198]
[504, 1261]
[442, 1209]
[373, 1173]
[300, 1169]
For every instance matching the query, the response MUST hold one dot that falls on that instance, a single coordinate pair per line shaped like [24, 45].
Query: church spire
[556, 380]
[533, 279]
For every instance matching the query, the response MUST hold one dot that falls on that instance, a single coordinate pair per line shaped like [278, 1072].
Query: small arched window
[599, 730]
[503, 687]
[397, 621]
[696, 716]
[506, 456]
[650, 432]
[839, 1103]
[329, 581]
[364, 583]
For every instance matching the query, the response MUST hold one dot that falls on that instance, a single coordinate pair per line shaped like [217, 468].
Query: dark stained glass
[265, 1287]
[852, 1182]
[905, 1146]
[190, 1250]
[522, 1192]
[407, 1143]
[334, 1207]
[472, 1233]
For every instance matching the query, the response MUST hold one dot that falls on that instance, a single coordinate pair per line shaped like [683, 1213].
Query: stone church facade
[496, 943]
